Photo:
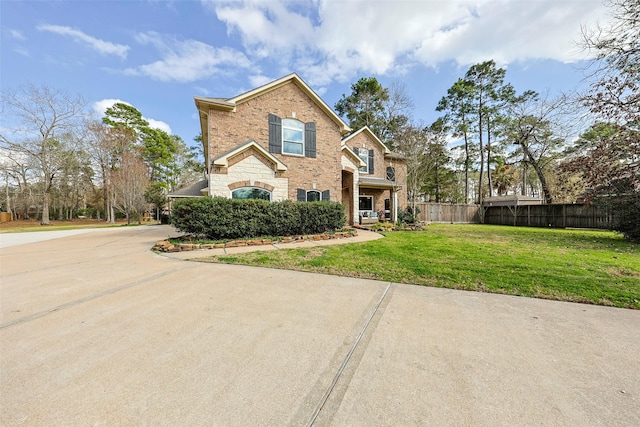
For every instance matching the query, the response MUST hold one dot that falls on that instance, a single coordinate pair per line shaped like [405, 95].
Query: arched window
[251, 193]
[391, 173]
[292, 137]
[314, 196]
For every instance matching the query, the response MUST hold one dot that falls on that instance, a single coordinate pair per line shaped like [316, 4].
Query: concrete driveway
[98, 330]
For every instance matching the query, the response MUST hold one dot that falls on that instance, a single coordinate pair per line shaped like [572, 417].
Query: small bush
[222, 218]
[407, 216]
[625, 208]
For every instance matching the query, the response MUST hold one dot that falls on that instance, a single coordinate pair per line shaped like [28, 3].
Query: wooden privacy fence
[442, 212]
[557, 215]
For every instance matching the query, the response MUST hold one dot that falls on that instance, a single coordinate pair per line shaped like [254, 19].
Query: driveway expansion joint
[339, 374]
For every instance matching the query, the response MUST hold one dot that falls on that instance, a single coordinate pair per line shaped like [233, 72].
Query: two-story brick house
[281, 141]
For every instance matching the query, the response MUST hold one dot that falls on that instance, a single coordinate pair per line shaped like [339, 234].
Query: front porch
[377, 200]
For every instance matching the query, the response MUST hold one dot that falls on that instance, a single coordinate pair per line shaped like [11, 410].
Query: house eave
[378, 183]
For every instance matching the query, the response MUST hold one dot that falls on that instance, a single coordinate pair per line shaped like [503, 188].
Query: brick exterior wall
[250, 121]
[380, 163]
[401, 176]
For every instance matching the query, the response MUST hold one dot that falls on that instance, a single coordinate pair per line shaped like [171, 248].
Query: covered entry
[375, 197]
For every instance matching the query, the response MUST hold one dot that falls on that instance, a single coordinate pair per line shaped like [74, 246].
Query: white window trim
[364, 169]
[367, 213]
[285, 120]
[314, 191]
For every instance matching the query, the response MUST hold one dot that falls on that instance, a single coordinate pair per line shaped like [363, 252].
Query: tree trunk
[45, 210]
[466, 168]
[489, 157]
[523, 190]
[548, 199]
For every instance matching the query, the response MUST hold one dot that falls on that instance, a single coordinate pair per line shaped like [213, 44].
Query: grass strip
[595, 267]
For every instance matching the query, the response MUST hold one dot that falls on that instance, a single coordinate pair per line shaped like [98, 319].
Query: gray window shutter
[371, 162]
[326, 195]
[355, 150]
[302, 195]
[275, 134]
[310, 140]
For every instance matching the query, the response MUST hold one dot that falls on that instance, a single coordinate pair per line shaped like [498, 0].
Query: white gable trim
[367, 131]
[359, 162]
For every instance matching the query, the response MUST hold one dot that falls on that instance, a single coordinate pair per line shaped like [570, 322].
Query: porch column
[356, 202]
[394, 206]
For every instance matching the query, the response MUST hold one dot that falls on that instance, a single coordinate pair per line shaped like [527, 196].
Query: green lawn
[595, 267]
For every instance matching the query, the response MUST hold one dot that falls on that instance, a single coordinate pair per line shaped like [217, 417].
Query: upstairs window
[292, 137]
[367, 158]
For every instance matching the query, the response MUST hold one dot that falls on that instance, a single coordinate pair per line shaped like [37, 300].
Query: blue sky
[158, 55]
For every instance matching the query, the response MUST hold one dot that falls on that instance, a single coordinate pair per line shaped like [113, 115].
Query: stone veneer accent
[262, 176]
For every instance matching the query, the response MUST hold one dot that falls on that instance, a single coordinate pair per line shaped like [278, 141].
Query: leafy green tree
[106, 146]
[156, 194]
[74, 184]
[383, 110]
[440, 176]
[188, 164]
[437, 161]
[412, 143]
[156, 148]
[457, 105]
[505, 176]
[536, 126]
[489, 95]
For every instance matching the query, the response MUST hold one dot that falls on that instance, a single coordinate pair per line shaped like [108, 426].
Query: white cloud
[158, 124]
[186, 60]
[259, 80]
[18, 35]
[330, 40]
[101, 46]
[100, 107]
[21, 51]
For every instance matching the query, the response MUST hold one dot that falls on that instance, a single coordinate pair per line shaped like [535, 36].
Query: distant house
[281, 141]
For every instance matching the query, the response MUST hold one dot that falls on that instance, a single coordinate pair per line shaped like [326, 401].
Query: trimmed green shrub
[622, 199]
[222, 218]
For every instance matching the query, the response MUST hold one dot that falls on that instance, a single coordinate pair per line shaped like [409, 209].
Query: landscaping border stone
[167, 246]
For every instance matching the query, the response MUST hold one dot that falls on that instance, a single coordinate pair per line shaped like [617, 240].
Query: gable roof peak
[367, 131]
[230, 104]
